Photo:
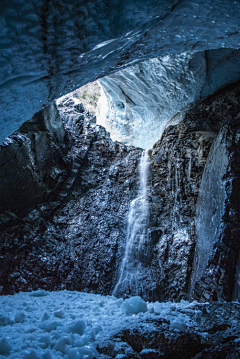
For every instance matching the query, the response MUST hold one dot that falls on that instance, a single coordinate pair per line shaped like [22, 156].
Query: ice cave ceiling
[49, 48]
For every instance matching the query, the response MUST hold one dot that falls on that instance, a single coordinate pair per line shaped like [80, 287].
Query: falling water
[136, 251]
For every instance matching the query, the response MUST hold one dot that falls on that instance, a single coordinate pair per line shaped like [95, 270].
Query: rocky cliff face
[70, 230]
[65, 219]
[195, 168]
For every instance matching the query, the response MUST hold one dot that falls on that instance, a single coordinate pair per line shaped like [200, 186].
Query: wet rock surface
[212, 332]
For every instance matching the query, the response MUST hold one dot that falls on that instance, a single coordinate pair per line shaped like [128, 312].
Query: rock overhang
[49, 48]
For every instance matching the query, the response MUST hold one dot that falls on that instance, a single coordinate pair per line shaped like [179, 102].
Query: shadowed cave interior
[119, 179]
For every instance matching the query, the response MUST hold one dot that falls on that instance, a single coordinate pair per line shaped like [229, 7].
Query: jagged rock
[212, 333]
[179, 160]
[73, 236]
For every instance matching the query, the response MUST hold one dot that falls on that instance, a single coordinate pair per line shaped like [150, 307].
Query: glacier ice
[138, 101]
[51, 48]
[142, 98]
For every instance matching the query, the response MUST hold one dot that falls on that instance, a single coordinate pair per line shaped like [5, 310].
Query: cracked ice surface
[51, 48]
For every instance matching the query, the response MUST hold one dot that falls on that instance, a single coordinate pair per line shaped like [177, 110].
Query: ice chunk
[77, 327]
[61, 344]
[73, 353]
[177, 324]
[30, 329]
[101, 303]
[5, 346]
[88, 350]
[4, 320]
[47, 355]
[45, 316]
[134, 305]
[118, 302]
[39, 293]
[151, 310]
[31, 354]
[97, 329]
[59, 313]
[44, 341]
[173, 307]
[19, 317]
[49, 326]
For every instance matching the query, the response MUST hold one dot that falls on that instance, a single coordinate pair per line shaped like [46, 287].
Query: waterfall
[136, 250]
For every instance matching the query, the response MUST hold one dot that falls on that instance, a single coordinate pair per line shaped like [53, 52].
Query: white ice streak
[83, 322]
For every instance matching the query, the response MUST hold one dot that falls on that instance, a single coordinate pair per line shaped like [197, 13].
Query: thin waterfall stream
[132, 267]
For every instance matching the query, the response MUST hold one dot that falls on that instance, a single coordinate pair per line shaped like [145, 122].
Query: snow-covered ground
[73, 325]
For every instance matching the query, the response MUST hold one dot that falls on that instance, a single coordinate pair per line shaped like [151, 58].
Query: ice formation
[70, 325]
[210, 205]
[142, 98]
[51, 48]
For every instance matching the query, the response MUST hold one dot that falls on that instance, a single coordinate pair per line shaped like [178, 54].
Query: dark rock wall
[178, 164]
[70, 240]
[221, 268]
[179, 160]
[72, 231]
[27, 177]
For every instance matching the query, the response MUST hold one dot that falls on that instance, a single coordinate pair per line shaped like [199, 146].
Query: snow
[71, 324]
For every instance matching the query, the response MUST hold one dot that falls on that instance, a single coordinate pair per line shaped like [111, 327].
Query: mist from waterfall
[136, 251]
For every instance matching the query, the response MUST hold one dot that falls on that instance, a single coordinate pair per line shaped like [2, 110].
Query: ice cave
[120, 179]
